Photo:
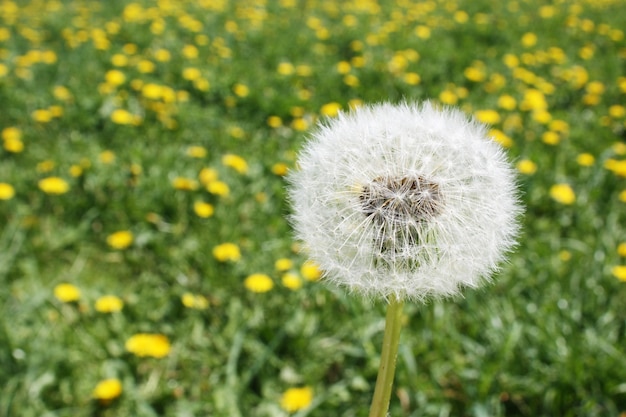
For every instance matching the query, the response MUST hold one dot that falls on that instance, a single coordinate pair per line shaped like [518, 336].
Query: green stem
[387, 369]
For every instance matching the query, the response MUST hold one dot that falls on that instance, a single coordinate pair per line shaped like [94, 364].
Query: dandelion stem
[387, 368]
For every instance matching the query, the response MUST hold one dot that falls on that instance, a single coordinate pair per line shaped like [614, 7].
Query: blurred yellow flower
[42, 115]
[109, 304]
[190, 51]
[191, 74]
[487, 116]
[501, 137]
[507, 102]
[120, 240]
[115, 77]
[330, 109]
[148, 345]
[194, 301]
[54, 185]
[280, 169]
[107, 390]
[529, 39]
[7, 191]
[11, 133]
[13, 145]
[218, 188]
[550, 138]
[621, 249]
[295, 399]
[196, 152]
[236, 162]
[563, 193]
[285, 68]
[585, 159]
[241, 90]
[617, 167]
[310, 271]
[527, 167]
[203, 209]
[274, 121]
[619, 272]
[258, 283]
[291, 281]
[617, 111]
[227, 252]
[207, 175]
[107, 157]
[622, 196]
[184, 184]
[123, 117]
[66, 293]
[283, 264]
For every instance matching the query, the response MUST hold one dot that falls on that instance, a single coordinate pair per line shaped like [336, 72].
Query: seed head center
[401, 200]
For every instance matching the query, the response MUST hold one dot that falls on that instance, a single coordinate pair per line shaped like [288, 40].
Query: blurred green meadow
[146, 264]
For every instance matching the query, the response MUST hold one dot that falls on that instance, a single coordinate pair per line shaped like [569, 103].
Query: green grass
[546, 339]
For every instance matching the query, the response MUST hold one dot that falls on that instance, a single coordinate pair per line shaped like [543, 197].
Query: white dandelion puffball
[407, 201]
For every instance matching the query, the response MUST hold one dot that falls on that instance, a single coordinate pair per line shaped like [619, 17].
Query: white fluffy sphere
[407, 201]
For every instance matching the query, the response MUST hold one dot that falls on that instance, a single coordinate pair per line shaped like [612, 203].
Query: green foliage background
[546, 339]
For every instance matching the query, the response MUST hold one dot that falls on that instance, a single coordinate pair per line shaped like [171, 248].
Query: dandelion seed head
[406, 201]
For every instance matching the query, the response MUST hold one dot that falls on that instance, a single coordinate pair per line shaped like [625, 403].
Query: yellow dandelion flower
[107, 390]
[619, 272]
[45, 166]
[617, 111]
[7, 191]
[66, 293]
[190, 51]
[207, 175]
[622, 196]
[13, 145]
[194, 301]
[283, 264]
[53, 185]
[563, 193]
[120, 240]
[107, 157]
[507, 102]
[11, 133]
[152, 91]
[422, 32]
[122, 117]
[280, 169]
[285, 68]
[109, 304]
[621, 249]
[227, 252]
[191, 74]
[550, 138]
[42, 115]
[148, 345]
[448, 97]
[196, 152]
[501, 137]
[310, 271]
[475, 74]
[299, 124]
[542, 116]
[145, 66]
[529, 39]
[330, 109]
[488, 116]
[184, 184]
[235, 162]
[617, 167]
[526, 167]
[258, 283]
[295, 399]
[585, 159]
[241, 90]
[203, 209]
[115, 77]
[218, 188]
[274, 121]
[291, 281]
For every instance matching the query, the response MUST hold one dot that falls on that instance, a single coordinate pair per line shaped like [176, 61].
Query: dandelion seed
[406, 201]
